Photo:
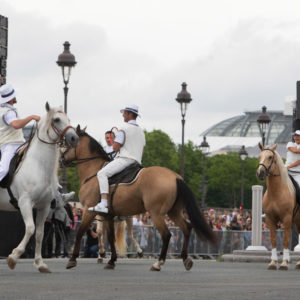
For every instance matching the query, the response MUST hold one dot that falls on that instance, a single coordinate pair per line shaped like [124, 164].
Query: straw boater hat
[297, 132]
[133, 108]
[7, 93]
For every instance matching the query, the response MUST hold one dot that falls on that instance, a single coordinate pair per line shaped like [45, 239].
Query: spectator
[91, 248]
[234, 225]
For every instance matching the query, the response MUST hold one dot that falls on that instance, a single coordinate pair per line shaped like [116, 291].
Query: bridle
[76, 160]
[268, 173]
[60, 134]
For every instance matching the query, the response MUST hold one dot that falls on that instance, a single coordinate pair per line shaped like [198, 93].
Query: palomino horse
[157, 190]
[121, 245]
[35, 183]
[279, 202]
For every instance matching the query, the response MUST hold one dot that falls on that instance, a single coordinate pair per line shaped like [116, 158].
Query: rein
[58, 133]
[268, 169]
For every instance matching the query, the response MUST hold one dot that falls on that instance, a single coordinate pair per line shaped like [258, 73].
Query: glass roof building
[279, 129]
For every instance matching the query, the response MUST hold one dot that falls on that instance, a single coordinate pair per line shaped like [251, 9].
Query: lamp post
[263, 121]
[204, 146]
[243, 155]
[66, 61]
[183, 98]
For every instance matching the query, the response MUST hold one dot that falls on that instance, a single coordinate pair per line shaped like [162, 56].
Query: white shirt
[109, 149]
[10, 115]
[292, 157]
[120, 138]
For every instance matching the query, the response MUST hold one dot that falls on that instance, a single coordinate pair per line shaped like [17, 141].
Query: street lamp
[243, 155]
[66, 61]
[183, 98]
[204, 146]
[263, 121]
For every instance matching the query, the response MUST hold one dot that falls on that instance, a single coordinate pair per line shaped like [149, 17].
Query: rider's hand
[35, 117]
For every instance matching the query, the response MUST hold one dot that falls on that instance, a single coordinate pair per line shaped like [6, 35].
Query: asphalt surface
[132, 279]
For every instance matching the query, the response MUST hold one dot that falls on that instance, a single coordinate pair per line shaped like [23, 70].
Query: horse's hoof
[103, 255]
[297, 267]
[188, 263]
[44, 269]
[71, 264]
[11, 262]
[154, 268]
[272, 267]
[100, 260]
[283, 268]
[109, 266]
[140, 254]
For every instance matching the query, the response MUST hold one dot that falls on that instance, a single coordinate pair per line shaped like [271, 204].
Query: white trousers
[7, 153]
[112, 168]
[296, 176]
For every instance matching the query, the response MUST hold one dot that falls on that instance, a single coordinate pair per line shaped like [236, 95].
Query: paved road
[132, 280]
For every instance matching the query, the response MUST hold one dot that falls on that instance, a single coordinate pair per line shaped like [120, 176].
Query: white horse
[35, 183]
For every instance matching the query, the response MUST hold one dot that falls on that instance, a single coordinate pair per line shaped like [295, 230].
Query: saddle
[7, 180]
[127, 176]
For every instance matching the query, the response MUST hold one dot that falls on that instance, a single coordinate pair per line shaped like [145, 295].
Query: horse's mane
[284, 173]
[95, 146]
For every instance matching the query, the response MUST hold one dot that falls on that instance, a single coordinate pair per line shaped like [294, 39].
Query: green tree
[224, 180]
[160, 151]
[192, 167]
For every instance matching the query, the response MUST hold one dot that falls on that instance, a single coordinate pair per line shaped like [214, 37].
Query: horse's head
[59, 128]
[267, 162]
[86, 149]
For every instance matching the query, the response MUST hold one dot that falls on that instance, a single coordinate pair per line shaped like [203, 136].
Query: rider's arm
[17, 124]
[294, 150]
[116, 146]
[119, 141]
[295, 164]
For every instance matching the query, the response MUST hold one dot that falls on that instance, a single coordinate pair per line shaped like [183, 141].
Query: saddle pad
[127, 175]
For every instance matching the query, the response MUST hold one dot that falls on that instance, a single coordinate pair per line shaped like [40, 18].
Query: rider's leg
[115, 166]
[7, 153]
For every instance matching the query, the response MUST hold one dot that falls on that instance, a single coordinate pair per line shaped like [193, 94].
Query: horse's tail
[197, 219]
[120, 243]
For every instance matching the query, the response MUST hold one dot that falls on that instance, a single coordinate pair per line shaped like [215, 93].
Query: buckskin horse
[157, 190]
[35, 182]
[279, 202]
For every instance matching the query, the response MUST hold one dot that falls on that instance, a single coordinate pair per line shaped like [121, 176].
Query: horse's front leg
[287, 223]
[26, 211]
[271, 224]
[101, 244]
[111, 240]
[87, 219]
[39, 234]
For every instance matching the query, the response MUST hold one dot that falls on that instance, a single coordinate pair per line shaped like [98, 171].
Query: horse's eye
[56, 120]
[270, 157]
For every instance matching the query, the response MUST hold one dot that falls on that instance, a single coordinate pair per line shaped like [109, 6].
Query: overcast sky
[235, 55]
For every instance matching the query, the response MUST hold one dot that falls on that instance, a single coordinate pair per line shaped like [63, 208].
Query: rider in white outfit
[129, 145]
[293, 157]
[11, 135]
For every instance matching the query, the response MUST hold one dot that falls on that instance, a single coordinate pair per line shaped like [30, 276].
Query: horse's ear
[84, 129]
[78, 130]
[274, 147]
[260, 146]
[47, 106]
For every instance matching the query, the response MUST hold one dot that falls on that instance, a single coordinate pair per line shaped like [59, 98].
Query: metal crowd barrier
[149, 239]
